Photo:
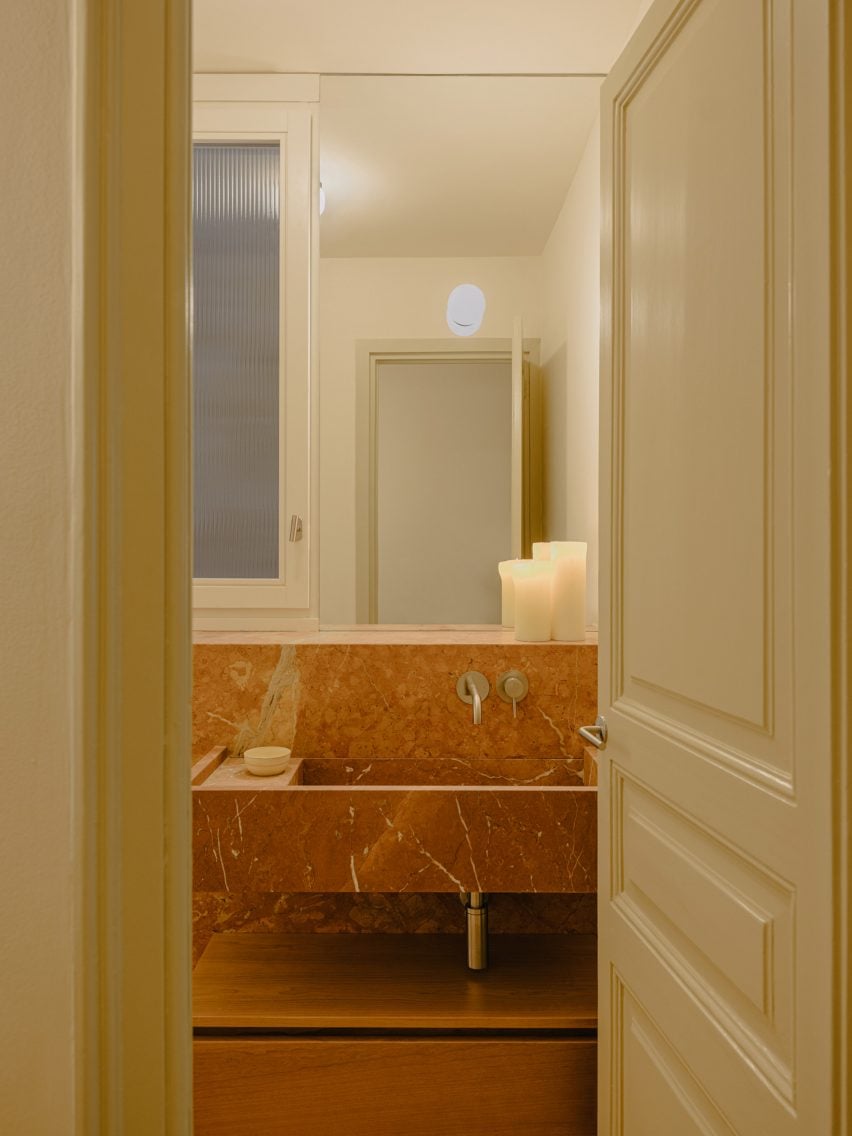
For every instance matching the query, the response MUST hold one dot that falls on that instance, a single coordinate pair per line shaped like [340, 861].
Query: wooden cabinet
[306, 1035]
[381, 1086]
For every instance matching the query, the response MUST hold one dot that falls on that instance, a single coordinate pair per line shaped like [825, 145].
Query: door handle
[295, 528]
[595, 734]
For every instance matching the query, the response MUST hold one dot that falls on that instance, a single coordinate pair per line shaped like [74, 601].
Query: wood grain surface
[372, 982]
[394, 1087]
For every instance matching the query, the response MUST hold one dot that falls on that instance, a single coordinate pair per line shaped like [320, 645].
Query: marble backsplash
[356, 701]
[361, 701]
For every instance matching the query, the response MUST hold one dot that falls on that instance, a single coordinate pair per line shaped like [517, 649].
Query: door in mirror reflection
[443, 432]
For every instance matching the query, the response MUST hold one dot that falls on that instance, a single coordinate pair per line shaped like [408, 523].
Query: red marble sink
[439, 771]
[517, 824]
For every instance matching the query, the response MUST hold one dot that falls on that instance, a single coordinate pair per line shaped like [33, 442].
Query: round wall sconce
[465, 309]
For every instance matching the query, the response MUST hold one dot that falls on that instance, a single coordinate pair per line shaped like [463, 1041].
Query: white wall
[570, 349]
[37, 886]
[570, 276]
[395, 298]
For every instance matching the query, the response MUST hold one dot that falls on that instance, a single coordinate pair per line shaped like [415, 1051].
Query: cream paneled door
[716, 872]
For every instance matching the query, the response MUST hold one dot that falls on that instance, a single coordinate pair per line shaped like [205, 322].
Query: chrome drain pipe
[476, 906]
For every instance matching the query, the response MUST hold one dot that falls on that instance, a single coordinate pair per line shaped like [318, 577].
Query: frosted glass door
[236, 360]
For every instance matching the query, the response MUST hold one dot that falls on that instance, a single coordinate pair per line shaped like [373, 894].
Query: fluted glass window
[235, 344]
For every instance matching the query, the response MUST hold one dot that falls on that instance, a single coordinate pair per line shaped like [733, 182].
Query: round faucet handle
[513, 686]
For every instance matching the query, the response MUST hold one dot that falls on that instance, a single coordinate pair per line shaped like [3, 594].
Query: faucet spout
[473, 687]
[476, 699]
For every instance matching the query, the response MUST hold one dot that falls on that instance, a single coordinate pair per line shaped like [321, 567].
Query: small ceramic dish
[266, 761]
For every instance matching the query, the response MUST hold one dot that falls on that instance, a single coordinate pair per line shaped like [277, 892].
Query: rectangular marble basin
[439, 771]
[394, 825]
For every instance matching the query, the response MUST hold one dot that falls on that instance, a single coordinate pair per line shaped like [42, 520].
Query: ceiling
[433, 140]
[448, 166]
[412, 36]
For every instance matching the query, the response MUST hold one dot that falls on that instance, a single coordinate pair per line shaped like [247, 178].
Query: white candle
[532, 600]
[507, 584]
[569, 590]
[541, 550]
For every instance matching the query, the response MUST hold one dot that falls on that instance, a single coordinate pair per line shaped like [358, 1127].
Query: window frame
[284, 601]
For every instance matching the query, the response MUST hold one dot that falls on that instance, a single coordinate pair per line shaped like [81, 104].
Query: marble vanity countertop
[386, 635]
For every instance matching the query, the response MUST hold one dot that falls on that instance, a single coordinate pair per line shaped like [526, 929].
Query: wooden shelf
[394, 982]
[372, 1035]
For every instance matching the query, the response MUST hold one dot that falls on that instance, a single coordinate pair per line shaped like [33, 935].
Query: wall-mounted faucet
[473, 687]
[512, 687]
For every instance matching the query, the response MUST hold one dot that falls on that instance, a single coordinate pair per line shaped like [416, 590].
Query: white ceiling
[448, 166]
[412, 36]
[414, 164]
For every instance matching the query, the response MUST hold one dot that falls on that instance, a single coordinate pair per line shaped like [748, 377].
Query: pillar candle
[541, 550]
[532, 600]
[569, 590]
[507, 584]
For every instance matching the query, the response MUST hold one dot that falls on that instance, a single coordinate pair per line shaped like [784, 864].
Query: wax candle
[569, 590]
[541, 550]
[507, 587]
[532, 600]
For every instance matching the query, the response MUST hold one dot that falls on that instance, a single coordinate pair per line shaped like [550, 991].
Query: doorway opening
[439, 446]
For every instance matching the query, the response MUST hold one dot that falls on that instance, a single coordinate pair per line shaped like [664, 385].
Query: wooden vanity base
[369, 1035]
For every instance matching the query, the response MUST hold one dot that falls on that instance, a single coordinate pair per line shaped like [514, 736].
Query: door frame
[131, 813]
[131, 570]
[840, 54]
[370, 354]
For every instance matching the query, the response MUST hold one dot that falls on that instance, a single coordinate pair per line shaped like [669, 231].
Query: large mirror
[429, 183]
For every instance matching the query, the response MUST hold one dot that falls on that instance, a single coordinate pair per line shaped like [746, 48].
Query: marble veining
[377, 913]
[349, 702]
[244, 696]
[391, 701]
[441, 771]
[380, 838]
